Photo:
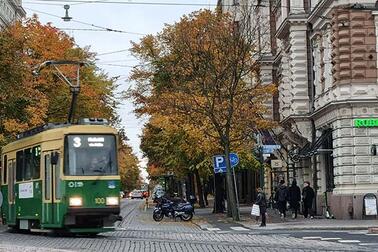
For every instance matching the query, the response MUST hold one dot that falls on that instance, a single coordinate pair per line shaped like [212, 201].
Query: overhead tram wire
[112, 52]
[134, 3]
[88, 24]
[78, 2]
[165, 3]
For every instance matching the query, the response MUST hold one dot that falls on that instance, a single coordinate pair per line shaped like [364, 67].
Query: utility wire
[119, 2]
[98, 30]
[133, 3]
[112, 52]
[88, 24]
[115, 65]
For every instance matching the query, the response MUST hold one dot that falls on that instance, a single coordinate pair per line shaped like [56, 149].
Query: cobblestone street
[138, 232]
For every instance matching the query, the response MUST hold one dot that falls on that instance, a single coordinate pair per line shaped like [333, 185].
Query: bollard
[146, 205]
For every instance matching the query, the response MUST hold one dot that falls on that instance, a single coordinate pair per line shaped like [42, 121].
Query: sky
[138, 19]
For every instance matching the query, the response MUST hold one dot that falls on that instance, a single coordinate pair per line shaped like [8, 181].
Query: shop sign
[366, 123]
[269, 149]
[276, 163]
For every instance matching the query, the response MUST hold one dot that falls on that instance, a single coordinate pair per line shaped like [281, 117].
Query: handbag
[255, 210]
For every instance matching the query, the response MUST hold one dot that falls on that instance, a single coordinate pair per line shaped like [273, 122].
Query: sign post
[220, 167]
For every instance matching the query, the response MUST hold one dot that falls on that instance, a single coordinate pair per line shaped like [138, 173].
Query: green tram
[62, 178]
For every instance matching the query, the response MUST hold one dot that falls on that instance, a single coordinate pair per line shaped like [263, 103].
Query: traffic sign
[268, 149]
[220, 162]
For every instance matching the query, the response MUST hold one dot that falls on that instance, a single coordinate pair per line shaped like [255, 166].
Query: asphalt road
[138, 232]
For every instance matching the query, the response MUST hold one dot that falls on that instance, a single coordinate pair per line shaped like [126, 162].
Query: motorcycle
[168, 208]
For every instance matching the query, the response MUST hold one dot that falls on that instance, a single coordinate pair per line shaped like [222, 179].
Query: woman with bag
[261, 202]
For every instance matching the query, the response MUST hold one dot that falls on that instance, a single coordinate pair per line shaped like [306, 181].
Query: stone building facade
[10, 11]
[327, 61]
[324, 62]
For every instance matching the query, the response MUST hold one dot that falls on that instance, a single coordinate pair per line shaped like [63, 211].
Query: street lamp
[66, 18]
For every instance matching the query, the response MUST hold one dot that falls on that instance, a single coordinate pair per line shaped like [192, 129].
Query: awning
[310, 149]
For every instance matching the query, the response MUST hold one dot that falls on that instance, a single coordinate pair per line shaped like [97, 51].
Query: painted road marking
[368, 244]
[223, 232]
[312, 238]
[349, 241]
[357, 232]
[213, 229]
[239, 228]
[331, 239]
[372, 234]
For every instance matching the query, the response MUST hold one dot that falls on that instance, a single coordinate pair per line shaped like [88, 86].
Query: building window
[328, 160]
[5, 164]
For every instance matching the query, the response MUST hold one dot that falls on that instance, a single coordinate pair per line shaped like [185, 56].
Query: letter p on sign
[218, 161]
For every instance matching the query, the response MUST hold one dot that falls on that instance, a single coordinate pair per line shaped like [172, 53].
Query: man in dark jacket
[308, 197]
[261, 201]
[282, 196]
[294, 198]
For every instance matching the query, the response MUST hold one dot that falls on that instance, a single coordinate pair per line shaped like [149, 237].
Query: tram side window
[28, 163]
[5, 169]
[19, 165]
[32, 163]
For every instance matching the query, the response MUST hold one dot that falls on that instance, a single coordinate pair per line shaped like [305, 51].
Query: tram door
[11, 192]
[51, 188]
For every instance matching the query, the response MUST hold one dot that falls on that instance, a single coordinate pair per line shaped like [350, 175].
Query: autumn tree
[128, 168]
[178, 150]
[204, 71]
[27, 101]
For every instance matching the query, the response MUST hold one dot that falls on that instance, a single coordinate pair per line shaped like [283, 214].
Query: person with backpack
[282, 196]
[294, 198]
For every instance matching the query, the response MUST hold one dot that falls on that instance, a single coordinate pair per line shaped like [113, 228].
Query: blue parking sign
[219, 162]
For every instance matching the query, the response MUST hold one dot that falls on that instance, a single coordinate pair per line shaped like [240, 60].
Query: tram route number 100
[100, 201]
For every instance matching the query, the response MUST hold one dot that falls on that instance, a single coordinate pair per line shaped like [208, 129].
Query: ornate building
[10, 10]
[324, 61]
[327, 59]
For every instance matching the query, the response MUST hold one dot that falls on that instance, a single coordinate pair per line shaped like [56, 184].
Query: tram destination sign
[365, 122]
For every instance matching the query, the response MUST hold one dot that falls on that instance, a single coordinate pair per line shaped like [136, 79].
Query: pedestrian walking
[282, 196]
[261, 201]
[206, 193]
[308, 195]
[294, 198]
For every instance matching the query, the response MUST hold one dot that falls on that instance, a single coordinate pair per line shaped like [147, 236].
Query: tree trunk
[199, 190]
[219, 194]
[231, 197]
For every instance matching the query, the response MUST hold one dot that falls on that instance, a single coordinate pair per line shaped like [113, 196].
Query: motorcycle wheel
[157, 216]
[186, 216]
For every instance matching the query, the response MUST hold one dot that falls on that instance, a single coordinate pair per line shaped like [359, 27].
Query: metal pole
[261, 167]
[236, 192]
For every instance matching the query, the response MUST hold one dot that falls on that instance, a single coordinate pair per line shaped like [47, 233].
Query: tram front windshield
[90, 155]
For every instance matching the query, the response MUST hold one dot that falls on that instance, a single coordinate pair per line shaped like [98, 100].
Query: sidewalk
[207, 218]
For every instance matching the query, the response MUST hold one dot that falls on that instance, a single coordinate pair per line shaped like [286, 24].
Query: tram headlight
[112, 201]
[76, 201]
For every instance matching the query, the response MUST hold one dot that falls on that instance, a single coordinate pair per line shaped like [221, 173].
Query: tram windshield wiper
[101, 170]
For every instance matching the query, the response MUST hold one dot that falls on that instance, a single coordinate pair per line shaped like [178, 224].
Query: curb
[310, 229]
[273, 227]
